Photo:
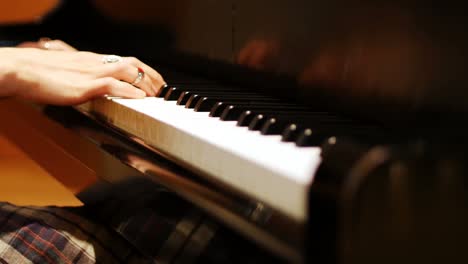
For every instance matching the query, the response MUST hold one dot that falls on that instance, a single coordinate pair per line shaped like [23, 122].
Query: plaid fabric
[160, 228]
[57, 235]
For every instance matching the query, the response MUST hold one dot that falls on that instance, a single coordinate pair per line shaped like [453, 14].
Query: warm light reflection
[375, 52]
[23, 11]
[260, 54]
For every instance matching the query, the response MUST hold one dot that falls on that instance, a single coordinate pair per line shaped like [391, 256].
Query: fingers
[113, 87]
[29, 44]
[155, 78]
[124, 71]
[127, 69]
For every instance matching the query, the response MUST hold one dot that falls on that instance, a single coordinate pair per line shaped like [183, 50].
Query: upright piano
[329, 131]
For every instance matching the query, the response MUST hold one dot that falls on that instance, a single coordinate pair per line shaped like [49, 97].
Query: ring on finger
[140, 76]
[111, 59]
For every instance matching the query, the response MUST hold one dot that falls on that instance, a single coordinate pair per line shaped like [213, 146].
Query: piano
[325, 131]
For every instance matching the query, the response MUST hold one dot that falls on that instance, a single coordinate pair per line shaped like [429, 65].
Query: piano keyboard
[267, 149]
[275, 172]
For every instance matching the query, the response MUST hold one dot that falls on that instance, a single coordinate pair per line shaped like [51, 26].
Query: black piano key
[189, 90]
[276, 124]
[279, 111]
[217, 109]
[272, 108]
[218, 103]
[286, 123]
[257, 122]
[290, 133]
[162, 92]
[288, 127]
[313, 135]
[234, 103]
[220, 107]
[245, 118]
[273, 126]
[268, 126]
[172, 94]
[183, 98]
[310, 138]
[231, 113]
[192, 101]
[226, 109]
[204, 104]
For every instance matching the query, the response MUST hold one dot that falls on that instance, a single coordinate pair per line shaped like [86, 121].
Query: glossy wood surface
[146, 11]
[24, 182]
[33, 155]
[21, 11]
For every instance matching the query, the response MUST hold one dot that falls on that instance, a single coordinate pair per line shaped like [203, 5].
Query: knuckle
[159, 77]
[133, 60]
[107, 82]
[119, 67]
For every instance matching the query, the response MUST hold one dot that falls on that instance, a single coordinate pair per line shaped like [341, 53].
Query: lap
[59, 235]
[160, 229]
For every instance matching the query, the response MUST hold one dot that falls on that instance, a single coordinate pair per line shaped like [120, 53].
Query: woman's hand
[71, 77]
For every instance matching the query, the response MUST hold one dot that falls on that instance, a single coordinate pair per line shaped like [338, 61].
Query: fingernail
[140, 93]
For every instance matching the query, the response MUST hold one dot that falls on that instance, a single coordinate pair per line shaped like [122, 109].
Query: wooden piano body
[399, 65]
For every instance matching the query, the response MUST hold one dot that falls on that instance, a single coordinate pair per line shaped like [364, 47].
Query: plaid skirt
[163, 229]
